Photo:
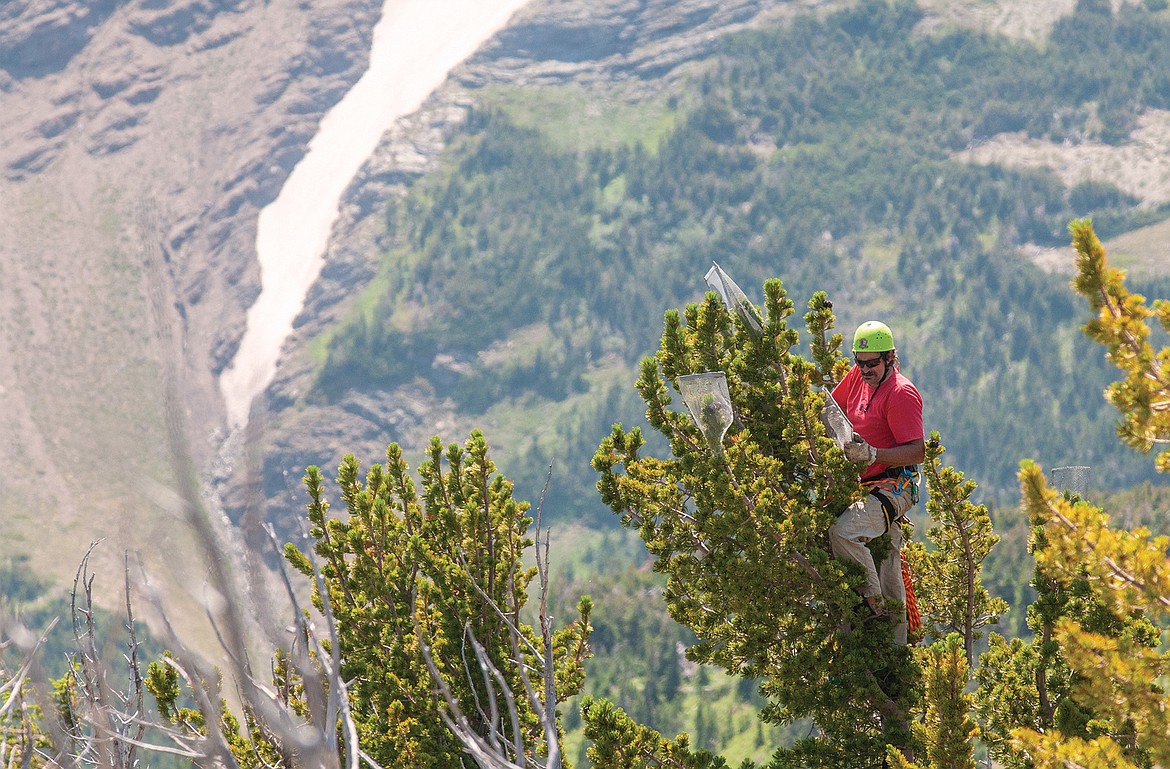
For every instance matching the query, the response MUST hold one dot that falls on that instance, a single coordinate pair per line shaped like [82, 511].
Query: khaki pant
[865, 520]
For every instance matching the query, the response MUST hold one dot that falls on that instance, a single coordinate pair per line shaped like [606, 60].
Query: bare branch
[336, 707]
[488, 750]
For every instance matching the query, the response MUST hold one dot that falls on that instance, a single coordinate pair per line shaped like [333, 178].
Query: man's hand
[858, 450]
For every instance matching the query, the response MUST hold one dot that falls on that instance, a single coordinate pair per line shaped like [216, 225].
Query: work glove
[858, 450]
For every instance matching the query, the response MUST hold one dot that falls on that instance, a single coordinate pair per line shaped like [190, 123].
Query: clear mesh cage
[1072, 479]
[709, 405]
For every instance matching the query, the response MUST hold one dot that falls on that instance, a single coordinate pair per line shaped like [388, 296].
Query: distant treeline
[819, 152]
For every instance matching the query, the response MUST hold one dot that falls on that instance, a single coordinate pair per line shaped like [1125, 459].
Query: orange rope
[888, 485]
[912, 616]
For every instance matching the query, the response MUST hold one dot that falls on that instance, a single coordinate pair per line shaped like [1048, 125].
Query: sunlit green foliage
[946, 729]
[1121, 326]
[740, 531]
[404, 568]
[947, 576]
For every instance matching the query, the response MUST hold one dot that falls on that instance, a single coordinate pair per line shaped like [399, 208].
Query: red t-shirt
[885, 416]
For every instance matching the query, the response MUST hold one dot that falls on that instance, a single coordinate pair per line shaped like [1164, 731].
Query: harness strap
[894, 471]
[894, 481]
[889, 472]
[887, 505]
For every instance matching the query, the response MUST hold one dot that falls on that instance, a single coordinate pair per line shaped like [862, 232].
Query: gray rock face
[619, 40]
[37, 38]
[138, 142]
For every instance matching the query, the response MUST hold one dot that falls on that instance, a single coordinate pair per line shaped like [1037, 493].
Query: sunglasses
[869, 363]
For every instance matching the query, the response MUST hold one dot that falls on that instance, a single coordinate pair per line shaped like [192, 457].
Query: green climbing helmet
[873, 336]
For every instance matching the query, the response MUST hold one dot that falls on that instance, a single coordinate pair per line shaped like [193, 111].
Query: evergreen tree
[739, 527]
[620, 741]
[946, 729]
[421, 657]
[1121, 325]
[1087, 690]
[1112, 645]
[424, 589]
[947, 578]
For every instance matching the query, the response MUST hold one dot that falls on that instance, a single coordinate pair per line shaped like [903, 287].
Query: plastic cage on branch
[734, 299]
[837, 424]
[709, 404]
[839, 428]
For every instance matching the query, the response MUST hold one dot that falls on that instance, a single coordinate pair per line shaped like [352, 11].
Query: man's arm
[909, 453]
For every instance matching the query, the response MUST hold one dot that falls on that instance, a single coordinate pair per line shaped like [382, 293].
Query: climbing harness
[893, 481]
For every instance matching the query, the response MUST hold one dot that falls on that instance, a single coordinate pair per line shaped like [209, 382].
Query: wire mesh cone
[837, 425]
[734, 298]
[709, 405]
[1072, 479]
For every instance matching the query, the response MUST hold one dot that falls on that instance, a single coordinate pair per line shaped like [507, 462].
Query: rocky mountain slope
[610, 50]
[140, 141]
[141, 138]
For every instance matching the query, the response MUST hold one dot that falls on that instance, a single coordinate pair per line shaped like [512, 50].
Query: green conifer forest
[823, 152]
[820, 152]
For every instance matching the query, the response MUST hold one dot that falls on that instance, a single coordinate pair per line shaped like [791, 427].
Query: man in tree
[886, 411]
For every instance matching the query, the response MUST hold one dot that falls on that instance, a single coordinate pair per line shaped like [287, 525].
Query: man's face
[872, 365]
